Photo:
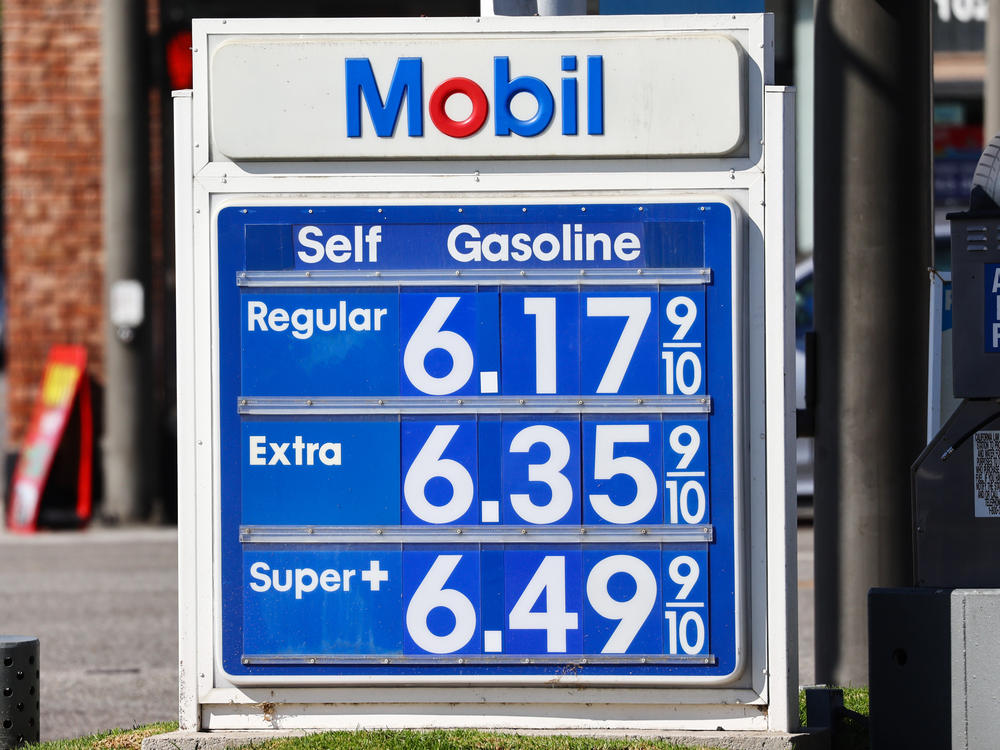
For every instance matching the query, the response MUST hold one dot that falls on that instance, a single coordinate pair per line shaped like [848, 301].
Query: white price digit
[686, 580]
[681, 631]
[430, 595]
[636, 311]
[550, 580]
[688, 502]
[682, 319]
[682, 368]
[607, 465]
[427, 465]
[549, 473]
[427, 337]
[685, 441]
[544, 310]
[688, 630]
[683, 371]
[631, 613]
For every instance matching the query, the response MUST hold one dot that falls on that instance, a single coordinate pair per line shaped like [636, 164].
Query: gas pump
[933, 647]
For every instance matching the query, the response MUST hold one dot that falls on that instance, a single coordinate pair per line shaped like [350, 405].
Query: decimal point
[489, 382]
[492, 641]
[491, 511]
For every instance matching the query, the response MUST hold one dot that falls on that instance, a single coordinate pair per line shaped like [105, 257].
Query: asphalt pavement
[103, 603]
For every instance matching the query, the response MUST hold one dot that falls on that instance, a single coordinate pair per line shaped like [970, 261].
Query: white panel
[779, 258]
[975, 666]
[664, 94]
[187, 548]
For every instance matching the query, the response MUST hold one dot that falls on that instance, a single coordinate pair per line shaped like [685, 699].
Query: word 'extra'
[266, 453]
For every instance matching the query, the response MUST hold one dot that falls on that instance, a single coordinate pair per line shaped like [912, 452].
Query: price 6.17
[558, 601]
[553, 343]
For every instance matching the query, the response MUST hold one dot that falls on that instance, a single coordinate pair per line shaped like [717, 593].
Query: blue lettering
[407, 80]
[569, 105]
[504, 90]
[595, 95]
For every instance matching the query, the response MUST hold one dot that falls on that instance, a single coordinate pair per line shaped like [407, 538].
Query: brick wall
[52, 189]
[51, 60]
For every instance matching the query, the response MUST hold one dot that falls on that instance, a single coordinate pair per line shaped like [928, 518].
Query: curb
[812, 740]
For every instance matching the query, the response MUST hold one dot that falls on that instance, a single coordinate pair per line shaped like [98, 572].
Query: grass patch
[851, 736]
[116, 739]
[441, 739]
[856, 699]
[851, 731]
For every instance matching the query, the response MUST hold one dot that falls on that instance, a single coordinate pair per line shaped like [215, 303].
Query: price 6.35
[550, 470]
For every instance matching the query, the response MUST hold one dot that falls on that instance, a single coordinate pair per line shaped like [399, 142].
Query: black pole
[129, 444]
[873, 229]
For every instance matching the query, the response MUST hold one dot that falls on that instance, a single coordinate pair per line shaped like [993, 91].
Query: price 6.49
[557, 601]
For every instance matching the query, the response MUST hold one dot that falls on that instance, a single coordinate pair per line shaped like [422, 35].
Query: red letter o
[472, 123]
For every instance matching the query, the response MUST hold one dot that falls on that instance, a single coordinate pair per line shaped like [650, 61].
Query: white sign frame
[764, 695]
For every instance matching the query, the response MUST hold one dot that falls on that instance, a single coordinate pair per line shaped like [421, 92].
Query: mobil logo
[384, 103]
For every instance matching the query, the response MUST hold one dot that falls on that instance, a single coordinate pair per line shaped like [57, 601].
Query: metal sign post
[485, 420]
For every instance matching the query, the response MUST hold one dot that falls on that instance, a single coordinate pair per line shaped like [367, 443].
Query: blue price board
[479, 439]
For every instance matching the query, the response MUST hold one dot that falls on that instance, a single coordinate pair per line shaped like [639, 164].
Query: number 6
[427, 465]
[426, 338]
[430, 595]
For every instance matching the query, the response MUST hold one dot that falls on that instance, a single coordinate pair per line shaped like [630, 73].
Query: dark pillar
[129, 448]
[873, 234]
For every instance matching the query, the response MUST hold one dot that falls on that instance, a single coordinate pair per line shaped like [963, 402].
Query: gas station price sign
[488, 439]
